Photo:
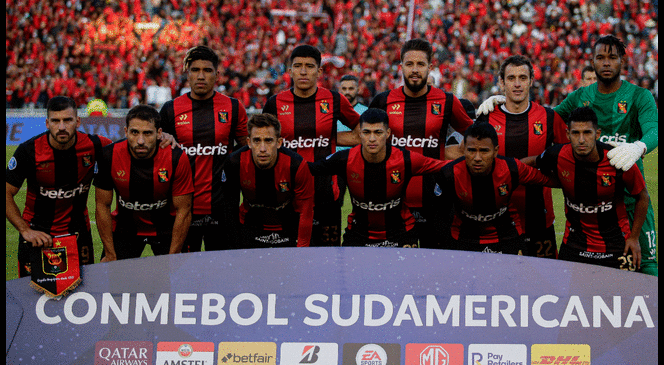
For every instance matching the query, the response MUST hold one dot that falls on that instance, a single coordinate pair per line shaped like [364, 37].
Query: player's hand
[624, 155]
[632, 244]
[37, 238]
[168, 139]
[489, 104]
[108, 258]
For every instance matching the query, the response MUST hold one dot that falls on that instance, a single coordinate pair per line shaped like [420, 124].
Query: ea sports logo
[434, 355]
[185, 350]
[371, 354]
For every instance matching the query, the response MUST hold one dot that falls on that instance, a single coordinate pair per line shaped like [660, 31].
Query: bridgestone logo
[589, 209]
[484, 218]
[200, 150]
[370, 206]
[142, 207]
[409, 141]
[64, 194]
[307, 142]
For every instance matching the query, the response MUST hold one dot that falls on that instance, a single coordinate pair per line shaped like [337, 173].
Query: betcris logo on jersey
[307, 142]
[409, 141]
[485, 217]
[370, 206]
[614, 138]
[63, 194]
[142, 206]
[200, 150]
[589, 209]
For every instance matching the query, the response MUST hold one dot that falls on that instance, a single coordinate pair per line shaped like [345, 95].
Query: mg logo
[434, 355]
[396, 106]
[284, 108]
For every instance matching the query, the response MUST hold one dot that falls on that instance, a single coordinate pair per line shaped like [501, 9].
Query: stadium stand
[111, 50]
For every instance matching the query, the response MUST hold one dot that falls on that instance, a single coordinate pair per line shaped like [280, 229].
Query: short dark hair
[611, 41]
[263, 121]
[144, 112]
[516, 60]
[583, 114]
[375, 115]
[204, 53]
[588, 68]
[59, 103]
[305, 50]
[417, 44]
[350, 78]
[481, 130]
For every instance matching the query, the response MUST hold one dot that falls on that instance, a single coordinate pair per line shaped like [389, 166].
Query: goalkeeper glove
[624, 155]
[489, 104]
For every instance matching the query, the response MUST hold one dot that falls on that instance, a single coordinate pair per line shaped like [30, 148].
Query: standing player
[276, 185]
[308, 116]
[378, 175]
[419, 117]
[59, 166]
[153, 188]
[588, 76]
[597, 229]
[205, 123]
[525, 129]
[627, 118]
[481, 185]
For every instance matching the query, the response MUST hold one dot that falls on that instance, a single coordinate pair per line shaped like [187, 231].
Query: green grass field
[650, 164]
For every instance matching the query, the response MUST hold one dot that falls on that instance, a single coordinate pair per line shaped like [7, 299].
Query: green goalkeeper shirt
[626, 115]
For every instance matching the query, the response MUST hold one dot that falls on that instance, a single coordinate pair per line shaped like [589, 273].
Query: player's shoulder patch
[12, 163]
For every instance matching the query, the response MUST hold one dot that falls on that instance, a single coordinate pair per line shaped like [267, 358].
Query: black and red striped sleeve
[303, 203]
[559, 129]
[421, 164]
[380, 101]
[334, 164]
[167, 114]
[270, 106]
[547, 161]
[531, 176]
[241, 124]
[183, 183]
[460, 120]
[633, 179]
[347, 114]
[103, 179]
[20, 165]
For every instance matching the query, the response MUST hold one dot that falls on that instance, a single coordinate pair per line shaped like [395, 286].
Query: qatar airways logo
[142, 207]
[614, 138]
[589, 209]
[63, 194]
[484, 218]
[200, 150]
[370, 206]
[307, 142]
[409, 141]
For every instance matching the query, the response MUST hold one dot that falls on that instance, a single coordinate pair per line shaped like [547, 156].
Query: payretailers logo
[497, 354]
[248, 353]
[566, 354]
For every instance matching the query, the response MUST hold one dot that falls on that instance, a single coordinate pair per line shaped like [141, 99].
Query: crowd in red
[115, 50]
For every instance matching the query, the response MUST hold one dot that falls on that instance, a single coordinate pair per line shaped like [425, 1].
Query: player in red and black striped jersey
[153, 189]
[419, 119]
[481, 184]
[308, 115]
[525, 129]
[59, 166]
[206, 124]
[377, 175]
[276, 185]
[597, 229]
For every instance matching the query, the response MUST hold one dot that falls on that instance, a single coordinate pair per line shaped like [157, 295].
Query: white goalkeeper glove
[624, 155]
[489, 104]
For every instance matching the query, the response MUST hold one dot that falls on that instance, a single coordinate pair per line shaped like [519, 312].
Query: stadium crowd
[128, 52]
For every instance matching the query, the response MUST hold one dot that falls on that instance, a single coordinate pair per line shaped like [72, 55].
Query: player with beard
[59, 166]
[627, 118]
[206, 123]
[419, 119]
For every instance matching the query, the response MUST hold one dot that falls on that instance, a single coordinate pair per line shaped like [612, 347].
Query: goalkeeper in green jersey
[627, 117]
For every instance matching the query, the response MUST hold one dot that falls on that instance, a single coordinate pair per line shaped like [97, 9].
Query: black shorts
[405, 240]
[542, 244]
[131, 247]
[614, 260]
[326, 229]
[85, 252]
[211, 228]
[510, 246]
[259, 238]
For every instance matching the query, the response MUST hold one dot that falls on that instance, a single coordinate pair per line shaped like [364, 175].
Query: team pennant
[56, 270]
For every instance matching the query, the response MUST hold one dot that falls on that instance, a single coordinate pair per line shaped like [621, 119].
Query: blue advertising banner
[338, 305]
[21, 129]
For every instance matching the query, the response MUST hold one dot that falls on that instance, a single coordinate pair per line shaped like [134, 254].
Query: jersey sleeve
[633, 180]
[168, 118]
[103, 179]
[241, 124]
[531, 176]
[334, 164]
[559, 129]
[183, 183]
[547, 161]
[380, 101]
[270, 106]
[648, 119]
[18, 166]
[347, 115]
[421, 164]
[570, 103]
[304, 203]
[460, 119]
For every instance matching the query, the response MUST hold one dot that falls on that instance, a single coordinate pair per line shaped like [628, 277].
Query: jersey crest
[502, 190]
[622, 107]
[537, 128]
[12, 163]
[435, 109]
[283, 186]
[163, 175]
[324, 107]
[606, 180]
[87, 160]
[396, 177]
[223, 117]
